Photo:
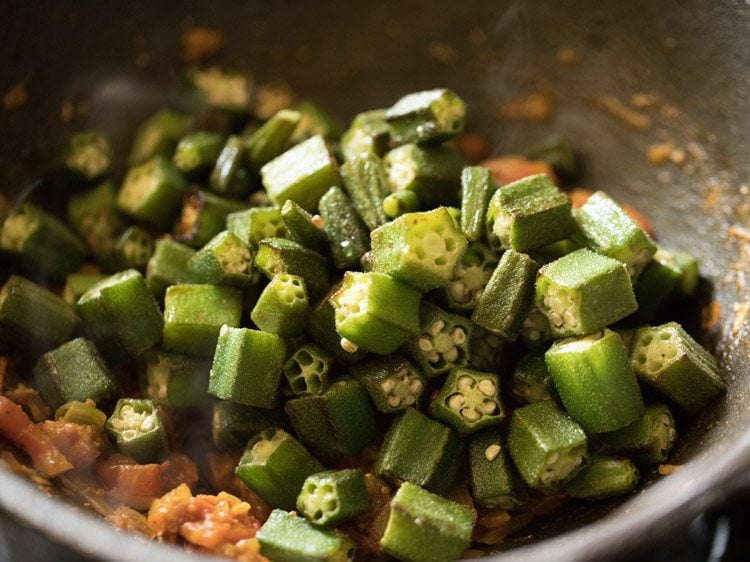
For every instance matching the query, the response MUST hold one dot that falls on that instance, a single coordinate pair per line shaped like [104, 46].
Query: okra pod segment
[197, 152]
[477, 188]
[648, 440]
[532, 381]
[231, 175]
[232, 424]
[278, 255]
[256, 224]
[594, 379]
[604, 477]
[132, 249]
[688, 264]
[137, 428]
[322, 330]
[393, 382]
[328, 498]
[94, 216]
[427, 116]
[89, 155]
[468, 401]
[203, 216]
[157, 136]
[368, 133]
[83, 413]
[283, 307]
[495, 482]
[656, 284]
[174, 380]
[271, 138]
[216, 88]
[365, 182]
[348, 238]
[558, 154]
[486, 350]
[225, 260]
[307, 370]
[167, 266]
[535, 328]
[400, 203]
[315, 121]
[668, 359]
[583, 292]
[304, 228]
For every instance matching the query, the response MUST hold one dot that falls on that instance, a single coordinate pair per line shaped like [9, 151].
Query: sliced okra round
[472, 273]
[469, 401]
[400, 203]
[203, 216]
[256, 224]
[535, 329]
[89, 155]
[307, 369]
[283, 307]
[224, 260]
[393, 382]
[137, 428]
[648, 440]
[486, 349]
[532, 381]
[328, 498]
[604, 477]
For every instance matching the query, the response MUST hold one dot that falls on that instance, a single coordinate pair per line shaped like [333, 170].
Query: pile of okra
[321, 293]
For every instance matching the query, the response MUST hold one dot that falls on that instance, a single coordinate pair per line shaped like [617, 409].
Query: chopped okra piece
[132, 249]
[604, 477]
[94, 216]
[583, 292]
[40, 243]
[528, 214]
[256, 224]
[203, 216]
[137, 428]
[275, 465]
[648, 440]
[688, 264]
[278, 255]
[232, 424]
[348, 237]
[419, 450]
[400, 203]
[217, 88]
[81, 413]
[368, 133]
[167, 266]
[666, 358]
[393, 382]
[495, 482]
[608, 230]
[121, 315]
[338, 422]
[304, 228]
[78, 283]
[433, 173]
[506, 298]
[247, 367]
[271, 139]
[283, 307]
[532, 381]
[328, 498]
[157, 136]
[287, 537]
[18, 296]
[424, 527]
[656, 284]
[546, 446]
[486, 350]
[375, 312]
[194, 315]
[315, 121]
[477, 188]
[74, 371]
[225, 260]
[152, 192]
[470, 277]
[535, 328]
[174, 380]
[364, 180]
[231, 175]
[322, 330]
[469, 401]
[303, 174]
[89, 155]
[443, 342]
[421, 249]
[426, 117]
[556, 250]
[197, 152]
[595, 382]
[558, 154]
[307, 370]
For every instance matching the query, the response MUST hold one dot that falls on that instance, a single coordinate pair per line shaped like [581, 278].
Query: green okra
[648, 440]
[175, 380]
[194, 315]
[232, 424]
[419, 450]
[196, 153]
[81, 413]
[330, 497]
[307, 370]
[421, 249]
[424, 527]
[604, 477]
[216, 88]
[688, 264]
[375, 312]
[275, 466]
[339, 422]
[477, 188]
[443, 341]
[167, 266]
[278, 255]
[247, 367]
[94, 216]
[315, 121]
[666, 358]
[121, 316]
[224, 260]
[157, 136]
[394, 384]
[203, 216]
[271, 138]
[532, 381]
[469, 401]
[528, 214]
[486, 350]
[595, 382]
[535, 328]
[426, 117]
[287, 537]
[74, 371]
[40, 243]
[547, 447]
[348, 237]
[506, 298]
[152, 192]
[400, 203]
[256, 224]
[495, 482]
[322, 330]
[132, 249]
[303, 174]
[556, 250]
[604, 227]
[231, 175]
[364, 180]
[78, 283]
[558, 154]
[368, 133]
[656, 284]
[583, 292]
[470, 277]
[137, 428]
[89, 155]
[433, 173]
[304, 228]
[283, 307]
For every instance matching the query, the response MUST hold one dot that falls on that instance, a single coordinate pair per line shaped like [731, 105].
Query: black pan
[116, 61]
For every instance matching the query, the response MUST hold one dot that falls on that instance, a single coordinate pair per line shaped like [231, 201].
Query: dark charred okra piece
[364, 180]
[256, 224]
[174, 380]
[271, 138]
[89, 155]
[231, 176]
[469, 401]
[157, 136]
[278, 255]
[532, 381]
[368, 133]
[232, 424]
[477, 188]
[138, 430]
[427, 116]
[203, 216]
[167, 266]
[470, 277]
[197, 152]
[328, 498]
[648, 440]
[400, 203]
[307, 370]
[283, 307]
[393, 382]
[495, 483]
[604, 477]
[225, 260]
[304, 228]
[348, 238]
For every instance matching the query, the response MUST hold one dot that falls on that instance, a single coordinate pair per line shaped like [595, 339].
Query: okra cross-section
[256, 224]
[583, 292]
[604, 477]
[427, 116]
[486, 350]
[89, 155]
[278, 255]
[174, 380]
[546, 446]
[137, 428]
[232, 424]
[203, 216]
[532, 381]
[472, 273]
[225, 260]
[421, 249]
[375, 312]
[648, 440]
[393, 382]
[595, 382]
[469, 401]
[328, 498]
[368, 133]
[283, 306]
[307, 369]
[495, 482]
[667, 358]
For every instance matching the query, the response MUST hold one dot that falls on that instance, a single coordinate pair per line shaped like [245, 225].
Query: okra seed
[318, 221]
[491, 452]
[458, 335]
[556, 319]
[437, 327]
[416, 386]
[553, 458]
[470, 414]
[409, 400]
[664, 419]
[465, 383]
[348, 345]
[488, 407]
[458, 291]
[394, 401]
[672, 433]
[451, 355]
[455, 401]
[425, 344]
[487, 387]
[388, 385]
